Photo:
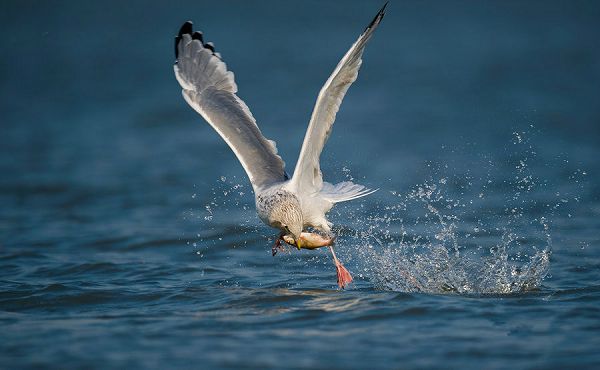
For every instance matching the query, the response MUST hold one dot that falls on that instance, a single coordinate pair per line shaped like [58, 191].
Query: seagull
[294, 204]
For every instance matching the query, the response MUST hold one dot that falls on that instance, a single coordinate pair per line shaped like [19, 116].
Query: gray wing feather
[307, 174]
[210, 89]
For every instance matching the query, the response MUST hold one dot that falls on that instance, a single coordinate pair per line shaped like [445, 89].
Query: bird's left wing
[210, 89]
[307, 174]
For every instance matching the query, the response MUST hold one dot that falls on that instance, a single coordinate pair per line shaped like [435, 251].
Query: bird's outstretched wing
[307, 174]
[210, 89]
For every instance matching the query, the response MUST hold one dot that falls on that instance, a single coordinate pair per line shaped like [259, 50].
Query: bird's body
[288, 204]
[275, 203]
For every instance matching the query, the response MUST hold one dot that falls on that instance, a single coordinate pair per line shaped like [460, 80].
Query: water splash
[470, 234]
[473, 232]
[426, 241]
[228, 199]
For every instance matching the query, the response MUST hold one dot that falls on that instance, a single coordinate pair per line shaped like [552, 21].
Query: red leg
[277, 246]
[343, 275]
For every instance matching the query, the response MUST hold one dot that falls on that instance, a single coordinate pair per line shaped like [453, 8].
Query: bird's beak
[298, 245]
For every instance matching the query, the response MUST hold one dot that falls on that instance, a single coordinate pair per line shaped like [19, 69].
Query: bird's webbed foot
[277, 245]
[343, 275]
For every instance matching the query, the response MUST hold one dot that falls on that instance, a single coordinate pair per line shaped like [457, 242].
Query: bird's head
[289, 219]
[293, 229]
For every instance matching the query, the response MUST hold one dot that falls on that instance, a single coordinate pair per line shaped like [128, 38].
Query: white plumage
[290, 205]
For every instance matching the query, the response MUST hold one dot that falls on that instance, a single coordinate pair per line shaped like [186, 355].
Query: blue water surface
[128, 236]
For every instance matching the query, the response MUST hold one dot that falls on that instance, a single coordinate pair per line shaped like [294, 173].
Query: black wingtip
[187, 27]
[378, 17]
[210, 46]
[177, 39]
[197, 35]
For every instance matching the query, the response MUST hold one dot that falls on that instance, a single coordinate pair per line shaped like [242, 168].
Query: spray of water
[462, 233]
[425, 241]
[470, 234]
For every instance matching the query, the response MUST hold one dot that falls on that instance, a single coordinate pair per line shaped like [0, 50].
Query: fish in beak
[309, 240]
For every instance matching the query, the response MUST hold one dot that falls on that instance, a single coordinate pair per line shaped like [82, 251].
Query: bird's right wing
[210, 89]
[307, 174]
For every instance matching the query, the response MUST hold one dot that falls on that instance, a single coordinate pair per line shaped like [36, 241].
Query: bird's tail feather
[344, 191]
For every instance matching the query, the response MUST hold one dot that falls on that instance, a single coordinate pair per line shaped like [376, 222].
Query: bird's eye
[286, 228]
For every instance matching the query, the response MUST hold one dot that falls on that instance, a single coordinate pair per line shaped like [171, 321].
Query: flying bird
[292, 205]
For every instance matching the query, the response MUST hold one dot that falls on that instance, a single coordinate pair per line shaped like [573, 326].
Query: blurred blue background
[110, 258]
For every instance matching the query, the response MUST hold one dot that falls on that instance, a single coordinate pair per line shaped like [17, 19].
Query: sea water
[128, 236]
